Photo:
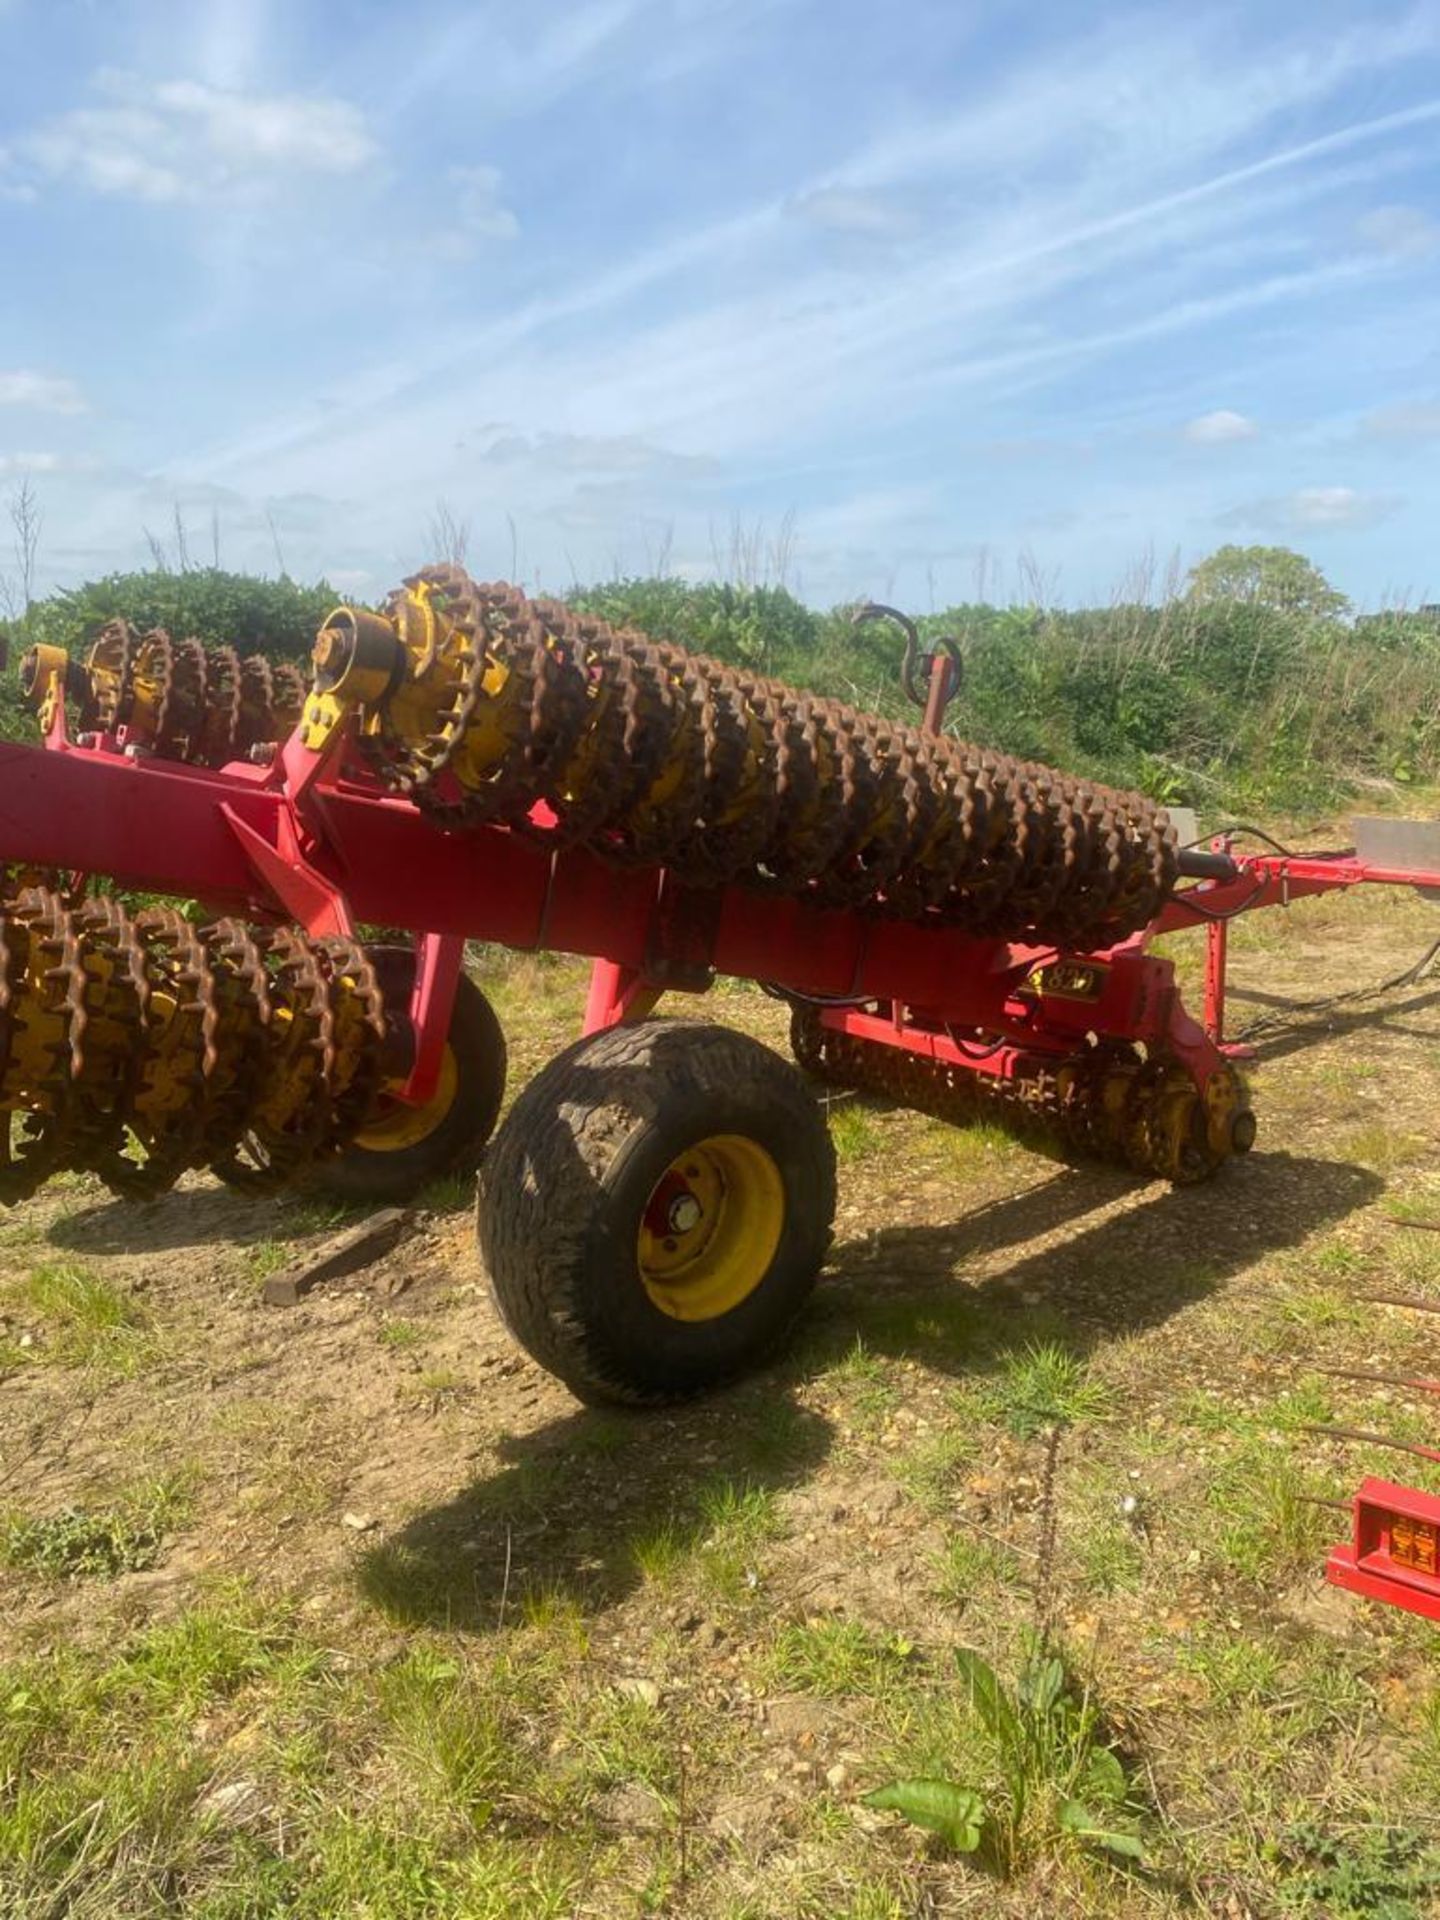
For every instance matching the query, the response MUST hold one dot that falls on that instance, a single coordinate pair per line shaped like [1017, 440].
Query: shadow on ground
[1153, 1250]
[195, 1216]
[571, 1514]
[574, 1500]
[1290, 1026]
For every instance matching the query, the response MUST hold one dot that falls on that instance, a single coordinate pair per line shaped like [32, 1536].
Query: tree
[1273, 577]
[26, 519]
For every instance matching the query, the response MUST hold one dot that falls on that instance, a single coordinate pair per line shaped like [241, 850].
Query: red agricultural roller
[962, 931]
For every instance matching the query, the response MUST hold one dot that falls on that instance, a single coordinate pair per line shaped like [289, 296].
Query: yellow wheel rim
[397, 1126]
[711, 1228]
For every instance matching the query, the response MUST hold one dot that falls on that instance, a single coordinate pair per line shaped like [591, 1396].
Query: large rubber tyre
[449, 1135]
[571, 1183]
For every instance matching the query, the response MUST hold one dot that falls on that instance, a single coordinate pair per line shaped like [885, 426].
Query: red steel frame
[309, 838]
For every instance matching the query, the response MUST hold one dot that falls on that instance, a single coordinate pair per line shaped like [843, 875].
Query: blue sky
[910, 299]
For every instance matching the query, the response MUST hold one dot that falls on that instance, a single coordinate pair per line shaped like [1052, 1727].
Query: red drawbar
[1394, 1554]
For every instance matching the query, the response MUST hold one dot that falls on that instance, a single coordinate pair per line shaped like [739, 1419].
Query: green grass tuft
[853, 1131]
[401, 1336]
[1045, 1386]
[86, 1321]
[834, 1658]
[969, 1568]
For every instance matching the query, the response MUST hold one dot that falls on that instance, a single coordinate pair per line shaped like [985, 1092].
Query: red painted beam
[237, 839]
[1393, 1554]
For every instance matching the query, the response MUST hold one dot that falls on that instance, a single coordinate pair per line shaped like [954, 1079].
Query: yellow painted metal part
[297, 1063]
[321, 718]
[172, 1073]
[711, 1228]
[397, 1125]
[46, 667]
[39, 1028]
[351, 670]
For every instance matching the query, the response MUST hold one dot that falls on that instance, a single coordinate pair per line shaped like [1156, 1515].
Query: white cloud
[1406, 233]
[1044, 194]
[605, 456]
[1414, 422]
[1311, 508]
[11, 186]
[73, 465]
[1220, 428]
[45, 392]
[851, 210]
[1336, 507]
[479, 209]
[479, 216]
[272, 130]
[15, 463]
[181, 140]
[108, 150]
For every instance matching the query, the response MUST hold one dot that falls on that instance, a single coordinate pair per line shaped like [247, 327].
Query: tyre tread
[559, 1138]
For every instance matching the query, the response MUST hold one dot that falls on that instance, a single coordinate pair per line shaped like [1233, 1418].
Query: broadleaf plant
[954, 1813]
[1052, 1775]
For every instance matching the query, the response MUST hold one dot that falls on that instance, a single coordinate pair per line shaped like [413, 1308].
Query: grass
[441, 1387]
[1109, 1555]
[1043, 1385]
[453, 1193]
[864, 1379]
[1320, 1309]
[1234, 1668]
[1382, 1148]
[649, 1663]
[84, 1320]
[1369, 1873]
[300, 1218]
[95, 1543]
[107, 1780]
[932, 1472]
[716, 1547]
[853, 1131]
[403, 1336]
[970, 1568]
[264, 1257]
[967, 1149]
[834, 1659]
[1265, 1525]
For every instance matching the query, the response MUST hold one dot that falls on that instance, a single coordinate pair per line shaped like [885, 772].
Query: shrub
[241, 610]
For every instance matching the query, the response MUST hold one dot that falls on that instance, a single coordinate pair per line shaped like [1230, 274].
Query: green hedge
[1212, 702]
[270, 616]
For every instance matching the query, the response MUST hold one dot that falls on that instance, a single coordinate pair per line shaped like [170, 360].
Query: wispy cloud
[480, 212]
[1308, 509]
[534, 68]
[781, 344]
[12, 464]
[1419, 420]
[44, 392]
[851, 211]
[1131, 242]
[1403, 231]
[182, 140]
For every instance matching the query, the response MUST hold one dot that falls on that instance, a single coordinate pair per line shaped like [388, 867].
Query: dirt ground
[376, 1620]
